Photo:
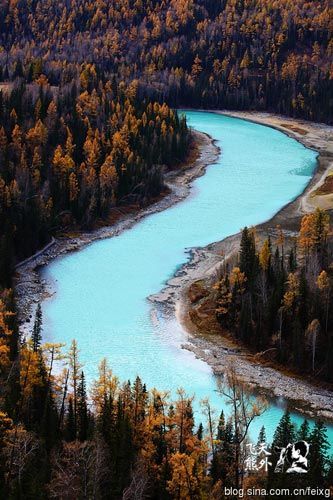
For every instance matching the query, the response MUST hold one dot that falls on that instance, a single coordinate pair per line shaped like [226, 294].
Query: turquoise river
[101, 291]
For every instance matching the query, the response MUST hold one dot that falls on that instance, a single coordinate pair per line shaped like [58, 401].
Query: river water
[101, 291]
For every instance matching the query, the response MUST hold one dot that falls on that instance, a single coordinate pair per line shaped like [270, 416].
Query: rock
[197, 292]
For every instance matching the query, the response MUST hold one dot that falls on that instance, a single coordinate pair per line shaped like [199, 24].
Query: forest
[235, 54]
[70, 156]
[60, 438]
[88, 124]
[277, 298]
[123, 441]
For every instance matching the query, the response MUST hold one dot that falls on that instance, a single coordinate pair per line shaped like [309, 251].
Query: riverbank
[183, 292]
[205, 262]
[31, 289]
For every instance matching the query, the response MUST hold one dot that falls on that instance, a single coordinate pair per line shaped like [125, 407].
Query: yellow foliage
[293, 291]
[314, 230]
[30, 370]
[5, 334]
[238, 278]
[265, 255]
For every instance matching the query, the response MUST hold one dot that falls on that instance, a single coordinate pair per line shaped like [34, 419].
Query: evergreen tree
[200, 432]
[248, 259]
[262, 436]
[292, 260]
[37, 330]
[304, 431]
[303, 312]
[329, 478]
[285, 431]
[221, 428]
[283, 435]
[18, 73]
[297, 343]
[82, 410]
[69, 431]
[122, 450]
[215, 468]
[318, 460]
[223, 461]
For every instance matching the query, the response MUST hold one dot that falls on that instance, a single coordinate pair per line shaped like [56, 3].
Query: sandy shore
[205, 264]
[31, 289]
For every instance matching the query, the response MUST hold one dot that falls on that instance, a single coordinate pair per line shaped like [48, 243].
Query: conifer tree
[318, 460]
[37, 330]
[248, 260]
[82, 410]
[285, 431]
[75, 368]
[283, 435]
[304, 431]
[70, 428]
[262, 436]
[200, 432]
[222, 466]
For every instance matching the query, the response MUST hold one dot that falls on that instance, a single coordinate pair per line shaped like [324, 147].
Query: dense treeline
[260, 54]
[124, 441]
[83, 129]
[69, 155]
[280, 300]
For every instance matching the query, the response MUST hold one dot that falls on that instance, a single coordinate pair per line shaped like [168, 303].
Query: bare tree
[137, 490]
[78, 470]
[312, 335]
[75, 370]
[245, 408]
[209, 413]
[21, 448]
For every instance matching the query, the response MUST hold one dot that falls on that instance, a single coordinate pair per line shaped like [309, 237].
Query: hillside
[239, 54]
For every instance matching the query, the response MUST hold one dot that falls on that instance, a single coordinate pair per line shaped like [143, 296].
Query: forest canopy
[275, 296]
[258, 54]
[69, 157]
[88, 91]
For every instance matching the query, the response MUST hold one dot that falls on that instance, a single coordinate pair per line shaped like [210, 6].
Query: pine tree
[304, 431]
[248, 260]
[70, 431]
[292, 260]
[285, 431]
[262, 436]
[200, 432]
[18, 73]
[318, 460]
[82, 410]
[215, 469]
[139, 396]
[75, 367]
[37, 330]
[222, 466]
[329, 478]
[303, 310]
[283, 435]
[221, 428]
